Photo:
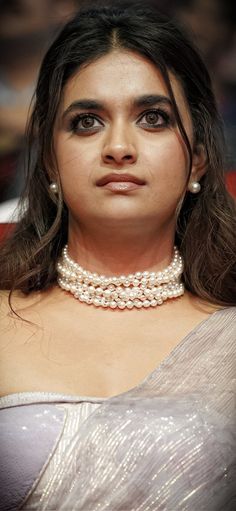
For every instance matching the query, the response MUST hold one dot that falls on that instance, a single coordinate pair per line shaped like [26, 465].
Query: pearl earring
[194, 187]
[53, 187]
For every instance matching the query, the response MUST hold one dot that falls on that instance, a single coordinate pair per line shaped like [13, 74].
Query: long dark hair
[206, 225]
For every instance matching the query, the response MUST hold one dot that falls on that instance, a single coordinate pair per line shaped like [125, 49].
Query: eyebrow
[140, 101]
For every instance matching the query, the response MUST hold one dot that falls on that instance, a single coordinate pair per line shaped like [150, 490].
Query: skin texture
[139, 225]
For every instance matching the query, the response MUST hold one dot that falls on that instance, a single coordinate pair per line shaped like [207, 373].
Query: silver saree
[168, 444]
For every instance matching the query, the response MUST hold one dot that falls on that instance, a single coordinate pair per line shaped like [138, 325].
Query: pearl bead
[194, 187]
[141, 289]
[123, 295]
[154, 303]
[53, 187]
[107, 293]
[121, 304]
[96, 301]
[152, 281]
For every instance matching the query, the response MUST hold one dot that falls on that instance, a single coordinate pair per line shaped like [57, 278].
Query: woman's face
[116, 118]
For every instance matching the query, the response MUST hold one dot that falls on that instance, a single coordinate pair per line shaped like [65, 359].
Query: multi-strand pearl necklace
[140, 289]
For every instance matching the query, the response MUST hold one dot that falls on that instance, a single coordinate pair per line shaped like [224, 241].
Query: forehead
[117, 77]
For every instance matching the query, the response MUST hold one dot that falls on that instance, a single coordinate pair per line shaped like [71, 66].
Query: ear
[199, 164]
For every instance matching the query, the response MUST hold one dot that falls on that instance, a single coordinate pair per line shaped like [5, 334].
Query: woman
[117, 356]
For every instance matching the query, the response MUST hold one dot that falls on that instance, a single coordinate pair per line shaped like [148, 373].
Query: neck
[117, 253]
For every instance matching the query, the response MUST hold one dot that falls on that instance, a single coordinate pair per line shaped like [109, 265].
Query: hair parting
[206, 226]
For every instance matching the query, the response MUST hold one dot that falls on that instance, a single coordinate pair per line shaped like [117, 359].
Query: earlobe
[199, 165]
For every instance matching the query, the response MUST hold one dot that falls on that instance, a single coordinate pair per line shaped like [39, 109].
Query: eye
[84, 123]
[155, 118]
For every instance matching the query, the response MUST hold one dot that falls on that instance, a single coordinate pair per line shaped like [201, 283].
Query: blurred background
[27, 28]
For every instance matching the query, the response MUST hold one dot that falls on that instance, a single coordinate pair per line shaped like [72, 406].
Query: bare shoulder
[10, 304]
[20, 302]
[6, 306]
[10, 320]
[197, 305]
[20, 316]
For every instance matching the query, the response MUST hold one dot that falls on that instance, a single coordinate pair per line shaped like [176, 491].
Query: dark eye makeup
[86, 123]
[83, 123]
[156, 118]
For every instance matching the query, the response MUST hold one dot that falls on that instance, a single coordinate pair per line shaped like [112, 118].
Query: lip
[120, 180]
[121, 186]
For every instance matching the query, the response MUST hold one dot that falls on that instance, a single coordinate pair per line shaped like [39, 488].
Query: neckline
[47, 396]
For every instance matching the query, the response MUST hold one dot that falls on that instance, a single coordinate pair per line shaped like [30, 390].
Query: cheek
[73, 167]
[167, 163]
[69, 156]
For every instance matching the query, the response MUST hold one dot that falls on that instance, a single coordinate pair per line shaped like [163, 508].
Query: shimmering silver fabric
[36, 431]
[169, 444]
[21, 464]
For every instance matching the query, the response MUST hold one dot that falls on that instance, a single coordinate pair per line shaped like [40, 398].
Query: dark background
[28, 26]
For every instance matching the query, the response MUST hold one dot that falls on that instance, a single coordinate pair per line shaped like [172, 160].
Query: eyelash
[74, 121]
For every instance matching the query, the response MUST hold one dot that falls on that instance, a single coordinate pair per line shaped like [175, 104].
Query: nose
[119, 146]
